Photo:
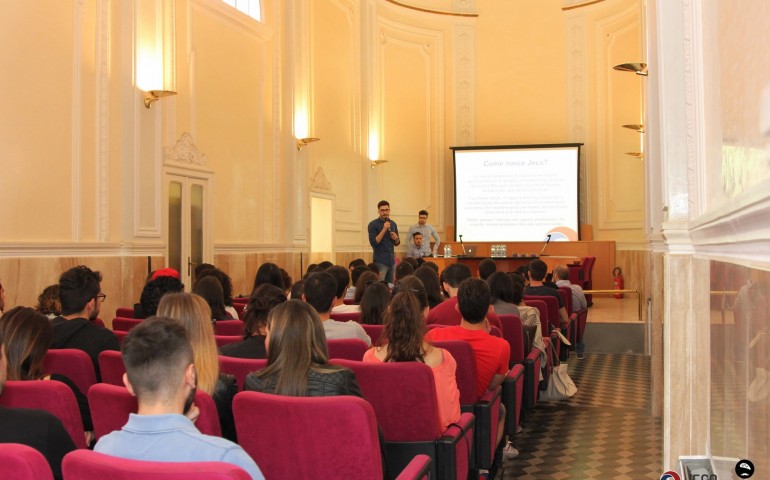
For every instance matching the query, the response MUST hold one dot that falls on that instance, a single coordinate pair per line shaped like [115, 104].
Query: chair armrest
[418, 469]
[513, 391]
[487, 411]
[454, 449]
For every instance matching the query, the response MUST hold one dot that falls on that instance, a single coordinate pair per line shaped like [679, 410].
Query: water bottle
[504, 252]
[447, 250]
[494, 251]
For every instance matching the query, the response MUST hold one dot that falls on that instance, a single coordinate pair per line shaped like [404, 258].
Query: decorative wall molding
[465, 85]
[78, 20]
[184, 152]
[577, 100]
[235, 19]
[465, 13]
[319, 183]
[694, 108]
[81, 249]
[103, 52]
[240, 248]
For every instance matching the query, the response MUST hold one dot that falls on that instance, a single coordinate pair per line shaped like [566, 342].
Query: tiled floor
[604, 431]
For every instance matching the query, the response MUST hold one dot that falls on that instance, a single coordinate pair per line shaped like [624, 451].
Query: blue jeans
[387, 272]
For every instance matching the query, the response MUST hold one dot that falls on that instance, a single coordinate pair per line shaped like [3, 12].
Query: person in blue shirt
[383, 237]
[161, 374]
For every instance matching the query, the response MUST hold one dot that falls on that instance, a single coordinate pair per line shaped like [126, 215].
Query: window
[251, 8]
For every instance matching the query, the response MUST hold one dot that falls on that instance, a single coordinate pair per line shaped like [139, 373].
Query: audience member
[210, 290]
[320, 292]
[194, 314]
[161, 372]
[81, 297]
[413, 261]
[403, 269]
[367, 278]
[26, 336]
[501, 288]
[269, 273]
[312, 268]
[530, 316]
[262, 301]
[383, 237]
[355, 274]
[536, 273]
[153, 291]
[227, 287]
[342, 277]
[579, 302]
[431, 265]
[374, 302]
[373, 267]
[358, 262]
[429, 279]
[48, 302]
[491, 354]
[297, 290]
[402, 341]
[447, 312]
[325, 265]
[287, 281]
[427, 232]
[2, 298]
[486, 268]
[35, 428]
[298, 360]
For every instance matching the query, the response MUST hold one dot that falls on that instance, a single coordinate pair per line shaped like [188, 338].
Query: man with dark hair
[154, 290]
[342, 277]
[358, 262]
[320, 292]
[426, 233]
[486, 268]
[491, 354]
[537, 271]
[414, 249]
[161, 374]
[579, 302]
[351, 293]
[81, 297]
[383, 237]
[35, 428]
[404, 269]
[447, 313]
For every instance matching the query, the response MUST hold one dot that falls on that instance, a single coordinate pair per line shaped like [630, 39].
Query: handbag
[560, 385]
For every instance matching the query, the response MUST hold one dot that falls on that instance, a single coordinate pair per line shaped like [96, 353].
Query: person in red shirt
[447, 313]
[490, 353]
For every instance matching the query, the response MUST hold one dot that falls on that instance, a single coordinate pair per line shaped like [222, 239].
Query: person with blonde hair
[194, 313]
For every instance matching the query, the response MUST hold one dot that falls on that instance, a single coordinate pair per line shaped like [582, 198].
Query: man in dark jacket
[81, 297]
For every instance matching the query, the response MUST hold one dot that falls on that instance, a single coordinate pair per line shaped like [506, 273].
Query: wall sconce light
[304, 141]
[637, 127]
[635, 154]
[637, 68]
[377, 163]
[155, 95]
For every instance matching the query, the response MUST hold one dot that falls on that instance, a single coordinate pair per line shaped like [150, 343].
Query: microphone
[462, 244]
[546, 244]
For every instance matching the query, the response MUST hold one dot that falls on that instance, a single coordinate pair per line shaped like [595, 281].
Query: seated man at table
[447, 313]
[161, 374]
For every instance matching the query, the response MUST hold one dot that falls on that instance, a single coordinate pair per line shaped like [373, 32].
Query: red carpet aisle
[604, 431]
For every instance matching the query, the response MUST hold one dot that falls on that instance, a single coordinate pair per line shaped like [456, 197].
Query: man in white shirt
[427, 232]
[320, 292]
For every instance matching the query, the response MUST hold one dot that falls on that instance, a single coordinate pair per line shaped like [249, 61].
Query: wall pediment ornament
[319, 182]
[185, 151]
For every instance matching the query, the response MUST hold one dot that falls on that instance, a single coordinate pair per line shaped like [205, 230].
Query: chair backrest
[239, 307]
[124, 324]
[273, 429]
[111, 405]
[72, 363]
[588, 268]
[374, 332]
[466, 368]
[112, 367]
[542, 308]
[346, 316]
[552, 309]
[125, 312]
[23, 461]
[513, 333]
[347, 348]
[228, 327]
[51, 396]
[121, 336]
[405, 413]
[88, 465]
[223, 340]
[240, 367]
[566, 298]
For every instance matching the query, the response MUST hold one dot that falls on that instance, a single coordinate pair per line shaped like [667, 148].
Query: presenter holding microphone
[383, 237]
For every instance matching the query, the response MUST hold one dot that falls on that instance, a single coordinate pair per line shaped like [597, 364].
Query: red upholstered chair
[346, 316]
[554, 321]
[124, 324]
[274, 430]
[72, 363]
[588, 268]
[112, 367]
[349, 301]
[110, 406]
[374, 332]
[121, 336]
[239, 307]
[228, 327]
[243, 300]
[22, 461]
[88, 465]
[240, 367]
[566, 297]
[515, 385]
[486, 409]
[125, 312]
[347, 348]
[51, 396]
[404, 399]
[579, 326]
[227, 339]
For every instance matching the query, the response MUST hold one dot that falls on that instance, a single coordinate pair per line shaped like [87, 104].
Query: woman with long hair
[27, 334]
[211, 291]
[194, 313]
[402, 340]
[364, 280]
[269, 273]
[501, 288]
[429, 279]
[297, 357]
[374, 303]
[48, 302]
[262, 301]
[227, 286]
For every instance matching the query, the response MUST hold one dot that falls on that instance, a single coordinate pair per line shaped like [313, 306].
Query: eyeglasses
[101, 296]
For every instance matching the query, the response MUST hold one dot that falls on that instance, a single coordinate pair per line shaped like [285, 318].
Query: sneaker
[580, 355]
[509, 452]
